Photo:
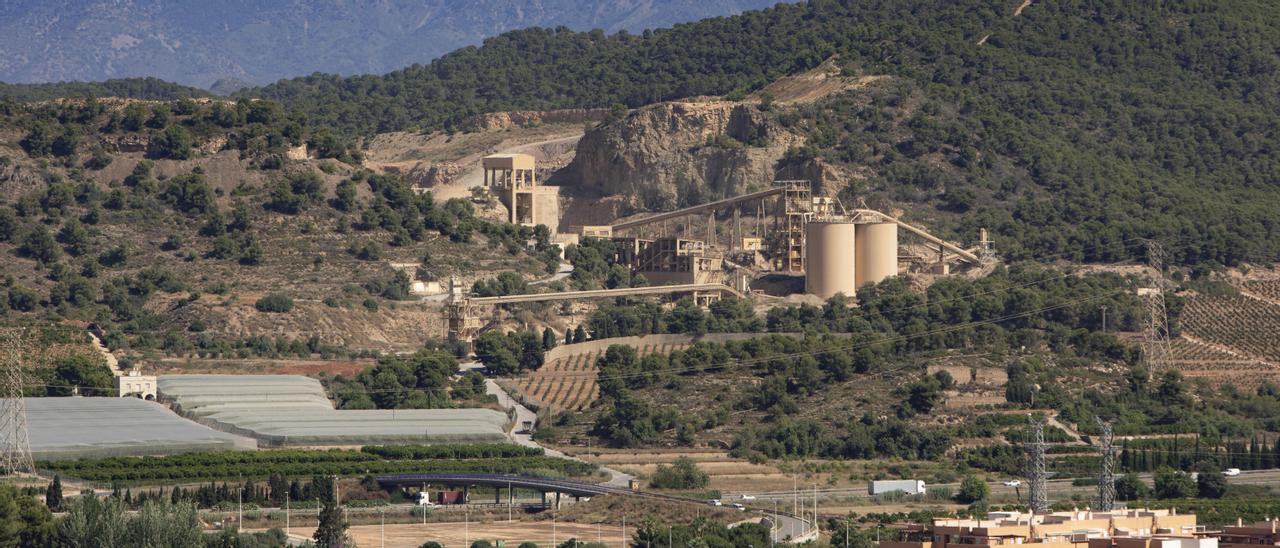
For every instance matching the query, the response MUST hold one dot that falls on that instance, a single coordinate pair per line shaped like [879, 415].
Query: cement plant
[659, 274]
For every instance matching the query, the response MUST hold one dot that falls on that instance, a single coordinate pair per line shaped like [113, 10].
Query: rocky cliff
[681, 153]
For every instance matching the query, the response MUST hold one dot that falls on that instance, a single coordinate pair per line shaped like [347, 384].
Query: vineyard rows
[1243, 324]
[569, 383]
[1266, 289]
[1229, 340]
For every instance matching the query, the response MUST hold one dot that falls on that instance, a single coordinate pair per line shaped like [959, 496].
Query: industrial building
[1073, 529]
[782, 230]
[514, 178]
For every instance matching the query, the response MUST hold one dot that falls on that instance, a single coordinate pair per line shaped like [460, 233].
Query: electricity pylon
[1037, 499]
[1107, 475]
[1155, 340]
[15, 444]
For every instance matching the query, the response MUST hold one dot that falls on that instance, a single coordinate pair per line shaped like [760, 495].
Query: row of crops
[491, 459]
[1241, 323]
[569, 383]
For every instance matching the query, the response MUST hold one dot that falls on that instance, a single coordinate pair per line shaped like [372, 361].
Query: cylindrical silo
[829, 258]
[877, 252]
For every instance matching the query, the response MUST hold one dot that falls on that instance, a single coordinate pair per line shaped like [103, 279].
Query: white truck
[910, 487]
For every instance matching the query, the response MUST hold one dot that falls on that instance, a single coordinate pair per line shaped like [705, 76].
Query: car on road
[739, 507]
[1013, 483]
[748, 497]
[715, 502]
[1231, 472]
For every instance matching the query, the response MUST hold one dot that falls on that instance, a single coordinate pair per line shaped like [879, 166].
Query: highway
[1062, 488]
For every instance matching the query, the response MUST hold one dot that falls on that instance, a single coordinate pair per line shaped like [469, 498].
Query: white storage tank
[877, 252]
[829, 258]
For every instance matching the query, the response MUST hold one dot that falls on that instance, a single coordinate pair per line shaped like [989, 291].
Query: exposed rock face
[504, 120]
[426, 175]
[675, 154]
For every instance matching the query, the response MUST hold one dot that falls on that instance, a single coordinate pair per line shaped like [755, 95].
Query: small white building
[135, 384]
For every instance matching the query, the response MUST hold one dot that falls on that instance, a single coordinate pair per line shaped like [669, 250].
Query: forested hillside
[153, 89]
[1075, 127]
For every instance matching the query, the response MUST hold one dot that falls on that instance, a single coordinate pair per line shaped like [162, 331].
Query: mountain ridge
[261, 42]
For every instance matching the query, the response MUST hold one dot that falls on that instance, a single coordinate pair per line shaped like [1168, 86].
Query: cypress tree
[332, 530]
[53, 495]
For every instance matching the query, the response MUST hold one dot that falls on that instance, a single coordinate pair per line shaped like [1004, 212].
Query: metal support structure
[1037, 498]
[15, 443]
[1107, 475]
[1155, 340]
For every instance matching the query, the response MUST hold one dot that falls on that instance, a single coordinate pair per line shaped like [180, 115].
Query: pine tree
[548, 339]
[580, 334]
[53, 495]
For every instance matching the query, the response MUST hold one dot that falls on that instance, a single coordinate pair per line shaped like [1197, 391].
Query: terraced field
[1241, 324]
[1200, 360]
[569, 383]
[1232, 339]
[1267, 290]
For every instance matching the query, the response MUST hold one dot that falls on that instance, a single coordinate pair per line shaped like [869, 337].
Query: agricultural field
[1267, 290]
[490, 458]
[1238, 323]
[1199, 360]
[569, 383]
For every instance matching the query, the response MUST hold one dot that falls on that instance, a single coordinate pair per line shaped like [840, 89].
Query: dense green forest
[152, 89]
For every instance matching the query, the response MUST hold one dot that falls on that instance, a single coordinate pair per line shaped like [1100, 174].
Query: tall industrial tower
[1037, 499]
[1107, 476]
[1155, 340]
[15, 445]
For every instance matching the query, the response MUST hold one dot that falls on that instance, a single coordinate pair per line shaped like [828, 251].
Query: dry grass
[460, 534]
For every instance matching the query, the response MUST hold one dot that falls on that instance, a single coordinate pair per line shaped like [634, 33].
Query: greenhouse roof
[294, 410]
[76, 427]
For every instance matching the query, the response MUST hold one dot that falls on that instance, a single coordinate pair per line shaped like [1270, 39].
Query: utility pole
[1107, 476]
[15, 443]
[1155, 342]
[1037, 499]
[816, 530]
[1104, 318]
[286, 514]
